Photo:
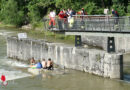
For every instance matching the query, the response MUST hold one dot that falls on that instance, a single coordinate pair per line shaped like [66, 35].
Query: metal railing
[92, 23]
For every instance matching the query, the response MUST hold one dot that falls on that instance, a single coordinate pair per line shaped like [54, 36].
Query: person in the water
[39, 65]
[32, 61]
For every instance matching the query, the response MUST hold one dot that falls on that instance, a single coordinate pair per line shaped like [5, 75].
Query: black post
[121, 67]
[111, 44]
[78, 41]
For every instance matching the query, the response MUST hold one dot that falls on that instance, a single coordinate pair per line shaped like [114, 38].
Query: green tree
[128, 9]
[120, 9]
[91, 8]
[74, 4]
[10, 13]
[30, 11]
[38, 8]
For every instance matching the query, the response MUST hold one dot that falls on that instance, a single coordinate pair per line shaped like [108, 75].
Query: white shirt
[52, 14]
[44, 63]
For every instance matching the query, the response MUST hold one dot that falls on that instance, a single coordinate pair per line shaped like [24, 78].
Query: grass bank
[37, 32]
[2, 25]
[50, 36]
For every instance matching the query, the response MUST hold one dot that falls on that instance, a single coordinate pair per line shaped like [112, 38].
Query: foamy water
[8, 69]
[12, 75]
[5, 33]
[17, 64]
[7, 66]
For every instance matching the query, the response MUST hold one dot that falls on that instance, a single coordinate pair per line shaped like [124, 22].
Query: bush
[34, 14]
[128, 14]
[128, 9]
[10, 13]
[120, 9]
[100, 11]
[92, 9]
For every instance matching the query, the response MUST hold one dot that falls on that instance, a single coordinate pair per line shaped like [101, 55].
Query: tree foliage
[10, 13]
[128, 9]
[21, 12]
[119, 8]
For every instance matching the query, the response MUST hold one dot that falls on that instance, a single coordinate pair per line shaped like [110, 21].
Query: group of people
[115, 13]
[65, 16]
[116, 16]
[42, 64]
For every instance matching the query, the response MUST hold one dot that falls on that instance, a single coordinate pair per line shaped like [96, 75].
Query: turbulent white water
[11, 75]
[16, 64]
[5, 33]
[8, 66]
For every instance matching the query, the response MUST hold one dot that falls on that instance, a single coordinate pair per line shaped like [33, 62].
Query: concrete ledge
[56, 71]
[106, 34]
[34, 71]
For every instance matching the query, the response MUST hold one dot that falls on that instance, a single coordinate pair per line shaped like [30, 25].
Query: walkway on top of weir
[91, 25]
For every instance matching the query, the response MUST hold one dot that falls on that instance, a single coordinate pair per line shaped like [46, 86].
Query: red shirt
[61, 14]
[3, 78]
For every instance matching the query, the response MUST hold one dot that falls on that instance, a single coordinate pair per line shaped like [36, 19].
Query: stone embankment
[27, 27]
[94, 61]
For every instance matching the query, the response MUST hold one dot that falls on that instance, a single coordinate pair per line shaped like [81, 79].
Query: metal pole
[121, 67]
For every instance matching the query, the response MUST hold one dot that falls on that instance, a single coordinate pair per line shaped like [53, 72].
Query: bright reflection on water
[71, 80]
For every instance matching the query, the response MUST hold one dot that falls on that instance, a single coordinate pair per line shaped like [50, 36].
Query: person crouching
[39, 65]
[44, 64]
[49, 64]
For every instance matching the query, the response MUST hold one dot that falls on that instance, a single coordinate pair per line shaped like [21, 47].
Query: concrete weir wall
[122, 44]
[89, 60]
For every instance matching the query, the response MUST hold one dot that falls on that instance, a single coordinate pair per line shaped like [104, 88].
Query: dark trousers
[50, 67]
[116, 20]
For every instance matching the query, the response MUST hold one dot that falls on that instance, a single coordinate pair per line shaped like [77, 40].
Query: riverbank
[36, 31]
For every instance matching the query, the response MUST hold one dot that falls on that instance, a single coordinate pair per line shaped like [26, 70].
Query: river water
[20, 79]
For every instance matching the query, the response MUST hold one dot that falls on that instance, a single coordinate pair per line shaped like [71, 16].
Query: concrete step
[56, 71]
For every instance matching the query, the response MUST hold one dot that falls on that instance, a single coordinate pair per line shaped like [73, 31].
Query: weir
[93, 61]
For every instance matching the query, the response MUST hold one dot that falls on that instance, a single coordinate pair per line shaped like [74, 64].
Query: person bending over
[38, 65]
